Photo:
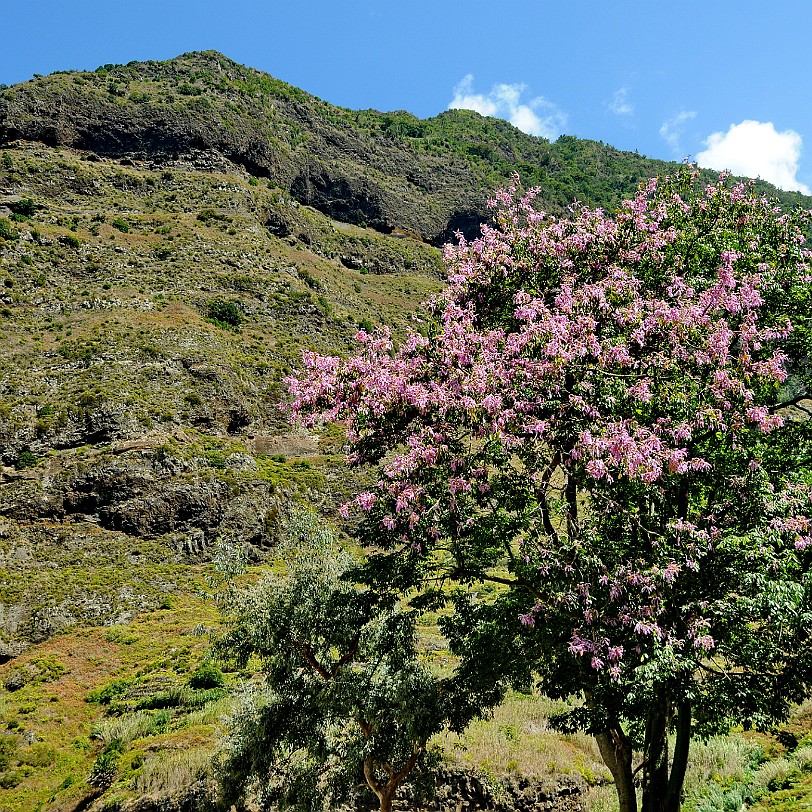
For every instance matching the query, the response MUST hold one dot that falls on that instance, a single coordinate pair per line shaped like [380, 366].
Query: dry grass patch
[518, 738]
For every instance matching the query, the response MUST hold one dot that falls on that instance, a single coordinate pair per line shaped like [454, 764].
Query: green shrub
[113, 690]
[160, 721]
[71, 240]
[11, 780]
[324, 305]
[207, 215]
[207, 675]
[25, 207]
[7, 231]
[104, 769]
[40, 754]
[26, 460]
[224, 313]
[120, 225]
[8, 747]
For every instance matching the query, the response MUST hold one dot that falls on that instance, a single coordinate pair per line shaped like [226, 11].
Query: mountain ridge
[386, 170]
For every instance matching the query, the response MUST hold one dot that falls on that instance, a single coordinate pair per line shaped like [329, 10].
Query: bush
[70, 240]
[224, 313]
[113, 690]
[104, 769]
[207, 675]
[26, 460]
[121, 225]
[7, 231]
[206, 215]
[8, 747]
[25, 207]
[40, 754]
[11, 780]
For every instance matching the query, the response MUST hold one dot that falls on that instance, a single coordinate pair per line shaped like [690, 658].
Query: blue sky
[723, 81]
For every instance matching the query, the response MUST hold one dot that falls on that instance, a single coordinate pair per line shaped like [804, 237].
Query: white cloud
[536, 116]
[620, 104]
[756, 149]
[672, 130]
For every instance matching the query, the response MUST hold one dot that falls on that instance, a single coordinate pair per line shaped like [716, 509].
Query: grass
[56, 714]
[517, 738]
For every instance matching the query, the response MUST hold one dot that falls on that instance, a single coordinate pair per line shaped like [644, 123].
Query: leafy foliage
[206, 675]
[7, 231]
[224, 313]
[346, 699]
[600, 408]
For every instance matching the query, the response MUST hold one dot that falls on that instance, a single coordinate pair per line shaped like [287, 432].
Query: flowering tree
[601, 413]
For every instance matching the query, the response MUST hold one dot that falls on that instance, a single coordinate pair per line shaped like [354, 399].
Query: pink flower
[366, 500]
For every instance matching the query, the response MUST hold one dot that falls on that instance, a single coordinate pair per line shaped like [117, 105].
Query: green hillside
[172, 236]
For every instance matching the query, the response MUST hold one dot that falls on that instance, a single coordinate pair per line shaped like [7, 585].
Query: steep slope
[386, 170]
[172, 235]
[148, 318]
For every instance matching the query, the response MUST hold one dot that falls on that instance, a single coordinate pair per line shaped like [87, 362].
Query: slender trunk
[386, 801]
[386, 792]
[655, 752]
[373, 784]
[680, 762]
[616, 751]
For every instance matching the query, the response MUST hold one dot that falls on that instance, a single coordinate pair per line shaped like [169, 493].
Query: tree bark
[655, 752]
[616, 751]
[679, 764]
[386, 792]
[386, 802]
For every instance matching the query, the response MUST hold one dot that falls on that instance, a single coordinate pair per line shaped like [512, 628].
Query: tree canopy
[607, 415]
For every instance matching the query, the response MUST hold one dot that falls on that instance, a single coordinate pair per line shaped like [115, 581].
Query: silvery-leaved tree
[345, 700]
[608, 416]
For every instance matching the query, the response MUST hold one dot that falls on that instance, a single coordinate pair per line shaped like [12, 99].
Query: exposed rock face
[154, 495]
[300, 143]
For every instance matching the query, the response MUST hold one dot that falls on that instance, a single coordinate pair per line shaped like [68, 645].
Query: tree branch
[796, 401]
[311, 660]
[351, 652]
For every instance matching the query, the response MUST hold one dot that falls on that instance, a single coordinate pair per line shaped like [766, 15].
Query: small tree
[346, 700]
[603, 407]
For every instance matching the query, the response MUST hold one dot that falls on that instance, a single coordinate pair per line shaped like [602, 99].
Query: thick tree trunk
[662, 786]
[616, 752]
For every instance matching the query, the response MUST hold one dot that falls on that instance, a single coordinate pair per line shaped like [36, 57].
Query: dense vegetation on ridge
[172, 235]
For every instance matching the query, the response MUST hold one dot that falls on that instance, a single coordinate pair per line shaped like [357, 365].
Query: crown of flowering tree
[597, 402]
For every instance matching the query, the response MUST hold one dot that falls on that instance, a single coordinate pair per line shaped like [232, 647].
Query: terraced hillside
[172, 236]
